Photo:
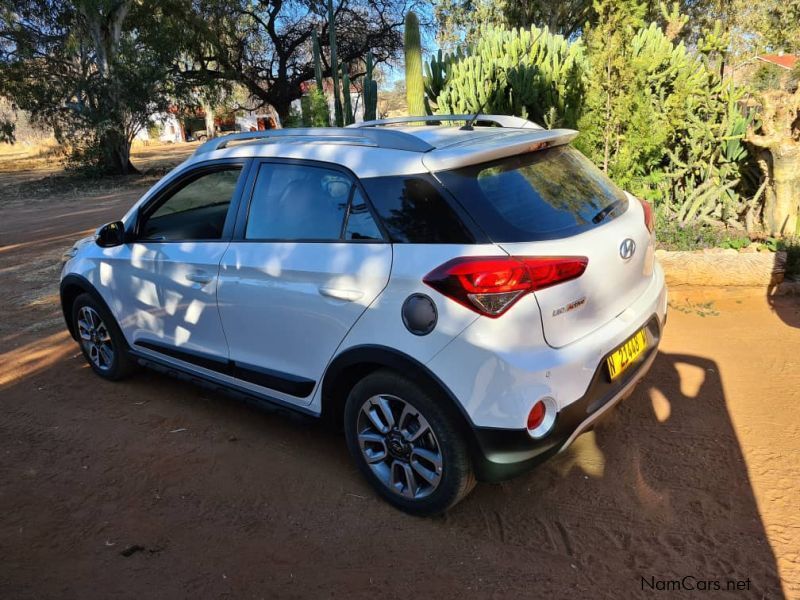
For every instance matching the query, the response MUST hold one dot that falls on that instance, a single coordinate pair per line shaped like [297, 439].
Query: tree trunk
[208, 111]
[116, 154]
[778, 136]
[786, 183]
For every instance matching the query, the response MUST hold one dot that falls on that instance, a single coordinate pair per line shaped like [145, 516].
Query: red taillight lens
[491, 285]
[649, 219]
[536, 416]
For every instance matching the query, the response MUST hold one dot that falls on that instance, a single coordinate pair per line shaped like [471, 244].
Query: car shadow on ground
[658, 492]
[787, 305]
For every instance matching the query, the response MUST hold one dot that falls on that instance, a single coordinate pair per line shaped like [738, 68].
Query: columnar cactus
[415, 87]
[337, 101]
[317, 58]
[437, 72]
[370, 94]
[526, 72]
[349, 117]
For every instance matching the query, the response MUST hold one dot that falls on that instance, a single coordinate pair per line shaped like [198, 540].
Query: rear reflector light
[649, 219]
[490, 285]
[536, 416]
[542, 418]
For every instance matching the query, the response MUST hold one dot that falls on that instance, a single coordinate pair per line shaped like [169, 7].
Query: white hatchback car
[462, 301]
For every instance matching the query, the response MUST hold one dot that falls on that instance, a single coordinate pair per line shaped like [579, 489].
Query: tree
[266, 45]
[459, 22]
[95, 70]
[566, 17]
[777, 137]
[609, 94]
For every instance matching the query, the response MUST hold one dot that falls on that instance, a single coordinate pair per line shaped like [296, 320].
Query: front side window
[196, 211]
[298, 202]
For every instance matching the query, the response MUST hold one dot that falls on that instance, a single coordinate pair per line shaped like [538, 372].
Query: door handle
[199, 277]
[339, 294]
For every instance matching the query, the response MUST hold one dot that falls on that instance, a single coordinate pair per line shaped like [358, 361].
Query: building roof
[787, 61]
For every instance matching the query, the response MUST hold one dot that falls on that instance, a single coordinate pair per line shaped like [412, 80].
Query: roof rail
[501, 120]
[383, 138]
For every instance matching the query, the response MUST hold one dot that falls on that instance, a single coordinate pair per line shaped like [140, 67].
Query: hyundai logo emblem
[627, 248]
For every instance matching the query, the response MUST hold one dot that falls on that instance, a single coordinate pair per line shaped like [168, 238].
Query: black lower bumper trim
[506, 453]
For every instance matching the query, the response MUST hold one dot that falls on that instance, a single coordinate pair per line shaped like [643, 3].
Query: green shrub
[671, 235]
[767, 77]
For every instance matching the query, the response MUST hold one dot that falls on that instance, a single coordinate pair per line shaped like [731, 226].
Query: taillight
[490, 285]
[649, 219]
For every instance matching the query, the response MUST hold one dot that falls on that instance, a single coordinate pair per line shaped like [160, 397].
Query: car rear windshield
[543, 195]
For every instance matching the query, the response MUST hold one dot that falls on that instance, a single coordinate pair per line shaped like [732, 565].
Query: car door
[168, 285]
[306, 261]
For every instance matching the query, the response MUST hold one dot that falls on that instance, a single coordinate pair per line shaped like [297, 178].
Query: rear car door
[306, 261]
[167, 286]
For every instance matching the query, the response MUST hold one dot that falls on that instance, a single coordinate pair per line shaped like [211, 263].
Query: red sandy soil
[697, 474]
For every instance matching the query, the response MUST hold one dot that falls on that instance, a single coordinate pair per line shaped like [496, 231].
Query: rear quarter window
[543, 195]
[413, 209]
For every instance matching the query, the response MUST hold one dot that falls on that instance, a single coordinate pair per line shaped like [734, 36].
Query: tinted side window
[297, 202]
[413, 210]
[360, 224]
[196, 211]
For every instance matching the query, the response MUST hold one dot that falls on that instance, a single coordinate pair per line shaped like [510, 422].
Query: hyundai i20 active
[462, 301]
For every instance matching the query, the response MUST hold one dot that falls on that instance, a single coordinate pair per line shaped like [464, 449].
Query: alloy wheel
[399, 446]
[95, 338]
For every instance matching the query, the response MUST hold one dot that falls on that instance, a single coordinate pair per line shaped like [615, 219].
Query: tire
[100, 339]
[420, 434]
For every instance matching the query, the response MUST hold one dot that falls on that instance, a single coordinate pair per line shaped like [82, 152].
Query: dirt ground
[154, 488]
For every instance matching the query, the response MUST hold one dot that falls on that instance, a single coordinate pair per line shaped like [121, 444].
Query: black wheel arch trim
[386, 357]
[85, 286]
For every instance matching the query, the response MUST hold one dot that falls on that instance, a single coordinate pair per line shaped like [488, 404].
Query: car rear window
[414, 210]
[543, 195]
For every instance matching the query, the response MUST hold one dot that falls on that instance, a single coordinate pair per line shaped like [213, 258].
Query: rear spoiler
[506, 142]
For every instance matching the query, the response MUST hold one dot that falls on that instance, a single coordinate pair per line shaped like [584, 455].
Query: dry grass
[33, 172]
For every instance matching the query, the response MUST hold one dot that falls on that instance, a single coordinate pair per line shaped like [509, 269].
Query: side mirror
[110, 235]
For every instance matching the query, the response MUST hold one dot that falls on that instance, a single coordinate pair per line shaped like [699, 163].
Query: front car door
[168, 287]
[306, 260]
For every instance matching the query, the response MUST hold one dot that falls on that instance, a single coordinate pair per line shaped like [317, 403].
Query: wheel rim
[95, 338]
[399, 446]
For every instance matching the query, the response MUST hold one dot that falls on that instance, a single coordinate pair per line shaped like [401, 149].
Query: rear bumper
[504, 453]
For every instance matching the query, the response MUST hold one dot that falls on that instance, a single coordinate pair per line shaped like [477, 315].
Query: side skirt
[210, 382]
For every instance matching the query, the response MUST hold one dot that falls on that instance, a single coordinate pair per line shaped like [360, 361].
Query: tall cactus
[337, 101]
[437, 72]
[349, 117]
[531, 73]
[317, 58]
[370, 93]
[415, 85]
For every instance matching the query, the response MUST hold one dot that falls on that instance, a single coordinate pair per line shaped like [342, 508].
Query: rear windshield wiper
[606, 212]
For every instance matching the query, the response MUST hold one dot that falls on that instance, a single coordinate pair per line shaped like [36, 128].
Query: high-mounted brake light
[649, 219]
[490, 285]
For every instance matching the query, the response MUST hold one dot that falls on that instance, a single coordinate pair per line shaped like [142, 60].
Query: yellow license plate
[625, 355]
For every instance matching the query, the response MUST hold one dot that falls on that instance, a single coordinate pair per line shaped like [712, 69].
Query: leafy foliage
[95, 70]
